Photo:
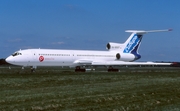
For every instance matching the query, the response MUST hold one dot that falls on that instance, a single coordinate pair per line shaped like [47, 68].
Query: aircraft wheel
[33, 68]
[78, 69]
[111, 69]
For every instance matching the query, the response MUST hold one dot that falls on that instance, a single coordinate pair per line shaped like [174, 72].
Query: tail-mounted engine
[118, 56]
[114, 46]
[125, 57]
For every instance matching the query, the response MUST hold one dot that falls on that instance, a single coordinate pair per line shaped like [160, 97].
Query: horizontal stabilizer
[144, 32]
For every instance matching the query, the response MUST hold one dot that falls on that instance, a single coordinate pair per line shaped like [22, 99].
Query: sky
[90, 25]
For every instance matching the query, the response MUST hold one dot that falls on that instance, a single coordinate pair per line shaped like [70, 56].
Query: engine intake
[114, 46]
[125, 57]
[118, 56]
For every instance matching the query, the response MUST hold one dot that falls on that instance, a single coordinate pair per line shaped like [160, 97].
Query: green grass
[56, 90]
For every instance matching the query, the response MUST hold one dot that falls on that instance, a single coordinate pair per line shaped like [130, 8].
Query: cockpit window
[16, 53]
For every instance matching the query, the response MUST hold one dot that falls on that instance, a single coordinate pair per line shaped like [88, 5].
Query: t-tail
[132, 43]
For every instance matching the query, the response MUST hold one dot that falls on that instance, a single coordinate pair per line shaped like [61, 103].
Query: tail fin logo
[132, 44]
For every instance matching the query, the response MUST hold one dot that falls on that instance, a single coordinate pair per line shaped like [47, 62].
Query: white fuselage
[51, 57]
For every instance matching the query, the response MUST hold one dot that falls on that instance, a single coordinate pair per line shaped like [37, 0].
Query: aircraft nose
[9, 59]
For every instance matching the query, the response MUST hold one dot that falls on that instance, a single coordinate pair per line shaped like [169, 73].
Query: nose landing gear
[33, 68]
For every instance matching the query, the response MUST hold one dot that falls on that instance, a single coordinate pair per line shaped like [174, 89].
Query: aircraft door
[31, 58]
[34, 55]
[73, 56]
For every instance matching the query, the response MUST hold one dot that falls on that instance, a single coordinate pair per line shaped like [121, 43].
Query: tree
[3, 62]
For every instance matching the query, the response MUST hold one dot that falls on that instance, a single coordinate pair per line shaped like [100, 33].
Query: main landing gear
[111, 69]
[79, 69]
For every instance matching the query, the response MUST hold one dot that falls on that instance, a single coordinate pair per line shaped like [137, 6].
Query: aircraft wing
[83, 62]
[115, 63]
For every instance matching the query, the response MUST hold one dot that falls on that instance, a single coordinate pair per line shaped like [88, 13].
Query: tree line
[3, 62]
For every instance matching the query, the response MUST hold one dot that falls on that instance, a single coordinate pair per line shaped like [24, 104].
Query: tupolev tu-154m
[118, 54]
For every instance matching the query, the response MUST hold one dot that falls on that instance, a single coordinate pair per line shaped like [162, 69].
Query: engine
[114, 46]
[125, 57]
[117, 47]
[118, 56]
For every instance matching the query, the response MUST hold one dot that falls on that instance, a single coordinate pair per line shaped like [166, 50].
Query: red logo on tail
[41, 58]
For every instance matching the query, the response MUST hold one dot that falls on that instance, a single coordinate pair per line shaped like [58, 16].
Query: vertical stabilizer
[133, 42]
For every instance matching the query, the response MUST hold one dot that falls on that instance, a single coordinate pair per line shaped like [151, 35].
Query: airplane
[118, 54]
